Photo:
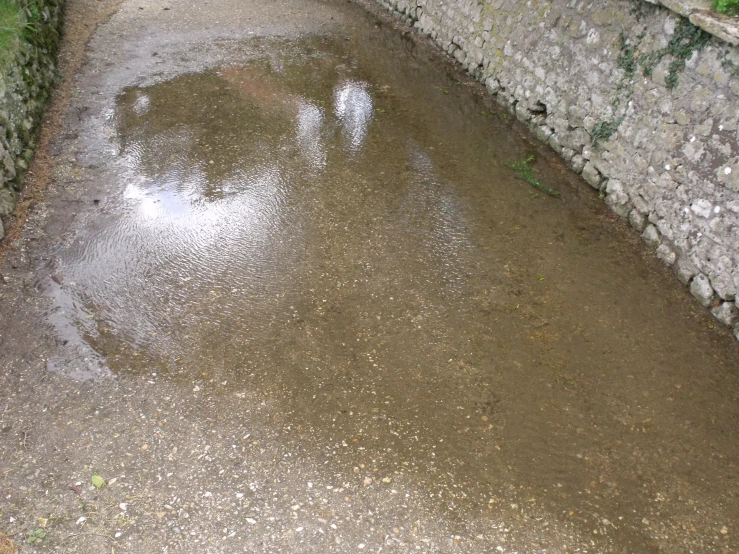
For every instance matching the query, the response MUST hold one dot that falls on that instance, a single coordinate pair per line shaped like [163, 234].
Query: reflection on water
[142, 104]
[310, 127]
[216, 166]
[353, 106]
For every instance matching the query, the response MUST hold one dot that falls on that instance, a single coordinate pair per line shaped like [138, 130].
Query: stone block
[577, 164]
[666, 254]
[591, 175]
[650, 236]
[700, 288]
[637, 220]
[726, 313]
[8, 199]
[685, 270]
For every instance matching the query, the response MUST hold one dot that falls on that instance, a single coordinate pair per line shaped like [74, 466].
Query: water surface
[331, 221]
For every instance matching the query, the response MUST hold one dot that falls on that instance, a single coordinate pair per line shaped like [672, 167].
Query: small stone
[724, 530]
[701, 208]
[726, 313]
[578, 163]
[543, 133]
[700, 287]
[555, 144]
[492, 85]
[522, 112]
[637, 220]
[650, 236]
[591, 175]
[666, 254]
[616, 198]
[721, 280]
[682, 117]
[8, 199]
[685, 270]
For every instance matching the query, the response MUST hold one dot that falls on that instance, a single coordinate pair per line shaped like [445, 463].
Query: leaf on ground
[97, 481]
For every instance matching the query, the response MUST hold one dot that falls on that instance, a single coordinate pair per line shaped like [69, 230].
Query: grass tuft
[19, 20]
[523, 171]
[11, 25]
[727, 7]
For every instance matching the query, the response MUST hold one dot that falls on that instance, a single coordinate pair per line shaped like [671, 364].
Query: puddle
[333, 222]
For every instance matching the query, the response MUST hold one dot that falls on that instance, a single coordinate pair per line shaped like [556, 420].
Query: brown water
[331, 222]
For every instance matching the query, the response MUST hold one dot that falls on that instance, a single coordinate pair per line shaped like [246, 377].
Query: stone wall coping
[701, 14]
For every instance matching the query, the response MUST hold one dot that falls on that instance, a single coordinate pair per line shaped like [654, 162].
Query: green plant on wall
[686, 40]
[20, 20]
[728, 7]
[605, 129]
[11, 17]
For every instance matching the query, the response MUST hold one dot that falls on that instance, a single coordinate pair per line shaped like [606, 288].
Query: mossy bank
[639, 97]
[27, 72]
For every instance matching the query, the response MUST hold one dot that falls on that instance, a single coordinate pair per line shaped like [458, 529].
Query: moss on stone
[27, 59]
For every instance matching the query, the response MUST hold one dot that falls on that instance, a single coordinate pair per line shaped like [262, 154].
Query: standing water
[331, 220]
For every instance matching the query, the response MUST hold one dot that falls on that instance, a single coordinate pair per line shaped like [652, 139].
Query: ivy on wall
[632, 59]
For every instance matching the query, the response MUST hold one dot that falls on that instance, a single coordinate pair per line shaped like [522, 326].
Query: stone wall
[25, 86]
[636, 98]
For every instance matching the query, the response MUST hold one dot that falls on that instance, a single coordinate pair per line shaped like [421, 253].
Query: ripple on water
[213, 168]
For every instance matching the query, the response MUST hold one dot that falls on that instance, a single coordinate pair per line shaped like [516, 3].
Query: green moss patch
[728, 7]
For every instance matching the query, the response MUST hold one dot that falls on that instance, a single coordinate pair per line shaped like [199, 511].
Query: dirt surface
[278, 290]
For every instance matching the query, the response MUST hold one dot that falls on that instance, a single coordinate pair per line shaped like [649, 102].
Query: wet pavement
[287, 295]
